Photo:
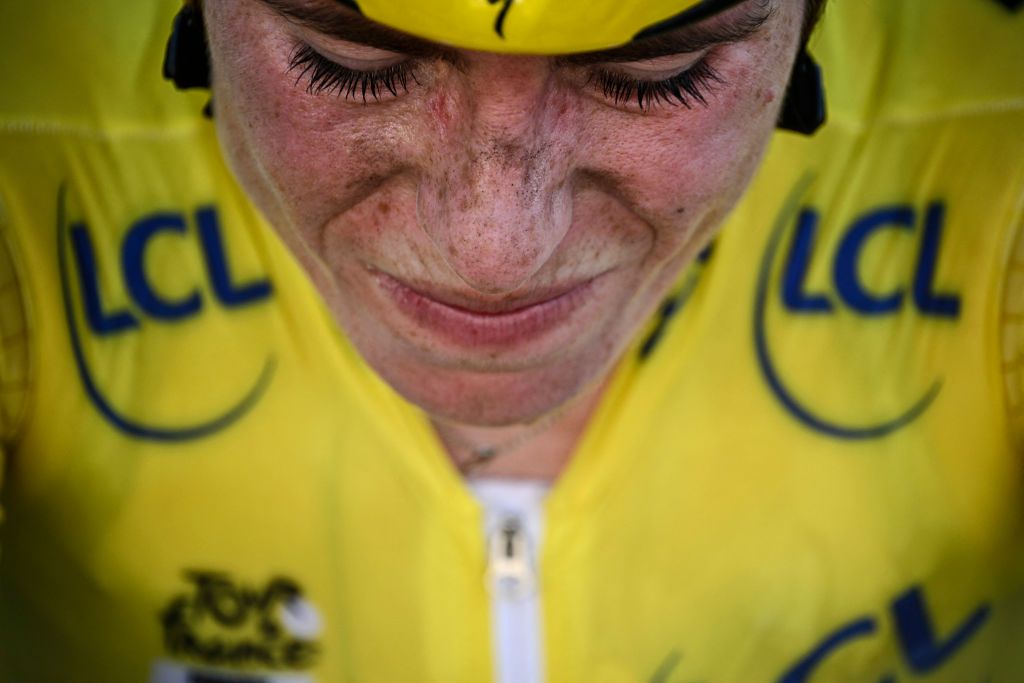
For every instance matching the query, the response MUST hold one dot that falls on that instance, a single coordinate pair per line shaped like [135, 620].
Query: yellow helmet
[535, 26]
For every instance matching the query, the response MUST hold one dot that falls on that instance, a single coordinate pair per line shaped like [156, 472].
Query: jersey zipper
[515, 598]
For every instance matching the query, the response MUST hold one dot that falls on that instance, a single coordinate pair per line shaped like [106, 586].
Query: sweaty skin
[492, 239]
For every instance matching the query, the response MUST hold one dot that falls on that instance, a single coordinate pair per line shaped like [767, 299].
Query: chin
[495, 399]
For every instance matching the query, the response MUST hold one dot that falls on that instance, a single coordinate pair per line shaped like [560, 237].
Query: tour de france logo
[222, 624]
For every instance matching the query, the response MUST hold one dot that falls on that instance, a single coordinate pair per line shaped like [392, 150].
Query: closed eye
[324, 76]
[686, 88]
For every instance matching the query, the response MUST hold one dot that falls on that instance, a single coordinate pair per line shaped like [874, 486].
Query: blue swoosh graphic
[771, 375]
[125, 424]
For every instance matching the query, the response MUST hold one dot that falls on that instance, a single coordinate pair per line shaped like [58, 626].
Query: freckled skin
[497, 177]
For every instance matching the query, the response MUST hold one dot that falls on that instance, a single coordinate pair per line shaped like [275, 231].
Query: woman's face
[491, 231]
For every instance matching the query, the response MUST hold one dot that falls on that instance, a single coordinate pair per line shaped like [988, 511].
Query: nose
[496, 201]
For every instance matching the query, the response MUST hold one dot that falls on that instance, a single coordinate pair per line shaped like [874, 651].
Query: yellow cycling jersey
[807, 467]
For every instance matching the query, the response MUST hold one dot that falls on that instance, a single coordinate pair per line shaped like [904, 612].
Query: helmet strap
[803, 110]
[186, 62]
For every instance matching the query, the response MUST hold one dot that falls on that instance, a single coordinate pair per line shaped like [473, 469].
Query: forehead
[536, 26]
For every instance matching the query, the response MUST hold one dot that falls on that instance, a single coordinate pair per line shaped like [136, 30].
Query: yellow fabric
[1013, 336]
[14, 349]
[808, 476]
[14, 342]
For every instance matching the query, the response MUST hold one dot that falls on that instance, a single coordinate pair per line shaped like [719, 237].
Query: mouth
[475, 321]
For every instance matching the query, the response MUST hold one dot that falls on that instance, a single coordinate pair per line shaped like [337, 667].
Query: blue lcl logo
[151, 305]
[852, 293]
[151, 302]
[924, 650]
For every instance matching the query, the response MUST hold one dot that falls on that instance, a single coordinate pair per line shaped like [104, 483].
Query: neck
[538, 450]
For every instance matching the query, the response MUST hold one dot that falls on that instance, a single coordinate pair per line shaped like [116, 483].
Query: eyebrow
[334, 19]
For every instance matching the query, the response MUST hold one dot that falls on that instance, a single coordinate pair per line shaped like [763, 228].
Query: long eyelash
[325, 76]
[692, 85]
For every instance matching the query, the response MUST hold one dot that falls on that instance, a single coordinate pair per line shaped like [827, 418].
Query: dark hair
[814, 8]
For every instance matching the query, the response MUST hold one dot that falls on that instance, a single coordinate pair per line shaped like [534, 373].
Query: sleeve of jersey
[1013, 337]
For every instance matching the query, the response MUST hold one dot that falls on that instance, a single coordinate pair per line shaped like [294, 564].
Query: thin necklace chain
[481, 455]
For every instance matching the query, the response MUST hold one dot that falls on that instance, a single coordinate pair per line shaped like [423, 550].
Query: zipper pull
[511, 572]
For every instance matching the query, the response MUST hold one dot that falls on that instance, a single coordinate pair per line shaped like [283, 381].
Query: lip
[475, 321]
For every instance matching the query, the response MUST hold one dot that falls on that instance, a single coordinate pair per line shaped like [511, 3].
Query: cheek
[678, 176]
[310, 156]
[319, 165]
[683, 169]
